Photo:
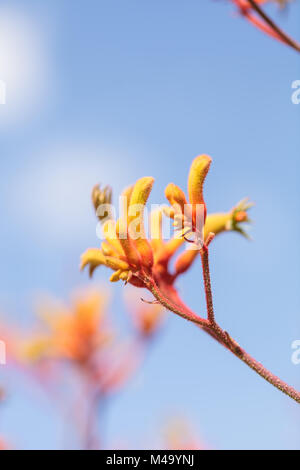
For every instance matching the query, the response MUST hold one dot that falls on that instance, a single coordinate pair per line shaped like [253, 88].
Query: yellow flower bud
[130, 251]
[139, 197]
[100, 197]
[197, 175]
[175, 196]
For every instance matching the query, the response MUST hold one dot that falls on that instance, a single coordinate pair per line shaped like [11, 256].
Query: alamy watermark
[136, 222]
[296, 94]
[2, 92]
[2, 353]
[296, 353]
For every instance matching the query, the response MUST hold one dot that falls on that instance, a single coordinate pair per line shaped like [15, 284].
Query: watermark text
[296, 94]
[296, 353]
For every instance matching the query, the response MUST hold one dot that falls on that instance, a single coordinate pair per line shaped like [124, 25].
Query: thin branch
[179, 308]
[207, 285]
[210, 326]
[267, 375]
[232, 345]
[282, 35]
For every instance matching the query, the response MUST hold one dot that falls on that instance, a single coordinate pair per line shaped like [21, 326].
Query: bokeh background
[114, 90]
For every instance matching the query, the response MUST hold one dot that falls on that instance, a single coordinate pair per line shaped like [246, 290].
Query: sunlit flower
[127, 254]
[133, 257]
[190, 217]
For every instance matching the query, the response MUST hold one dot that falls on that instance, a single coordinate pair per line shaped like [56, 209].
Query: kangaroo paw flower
[136, 258]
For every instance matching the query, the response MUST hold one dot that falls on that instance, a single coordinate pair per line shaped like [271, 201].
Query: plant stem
[282, 35]
[207, 285]
[228, 342]
[173, 303]
[241, 354]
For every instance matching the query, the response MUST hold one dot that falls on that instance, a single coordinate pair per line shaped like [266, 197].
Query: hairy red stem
[271, 27]
[168, 297]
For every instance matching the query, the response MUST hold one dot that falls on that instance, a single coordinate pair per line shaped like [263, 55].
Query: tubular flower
[218, 223]
[101, 197]
[133, 257]
[126, 250]
[185, 215]
[229, 221]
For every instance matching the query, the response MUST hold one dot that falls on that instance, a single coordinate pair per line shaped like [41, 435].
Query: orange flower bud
[197, 175]
[95, 257]
[175, 196]
[241, 216]
[100, 197]
[139, 197]
[127, 244]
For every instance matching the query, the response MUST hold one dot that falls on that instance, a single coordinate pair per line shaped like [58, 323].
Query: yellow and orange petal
[176, 196]
[197, 175]
[136, 229]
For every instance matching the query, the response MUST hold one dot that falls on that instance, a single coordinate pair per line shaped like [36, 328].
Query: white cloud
[51, 196]
[23, 66]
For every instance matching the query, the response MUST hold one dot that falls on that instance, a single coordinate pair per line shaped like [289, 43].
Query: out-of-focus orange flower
[3, 444]
[147, 318]
[72, 332]
[10, 337]
[2, 394]
[180, 436]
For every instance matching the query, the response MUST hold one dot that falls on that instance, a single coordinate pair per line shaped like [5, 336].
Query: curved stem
[282, 35]
[224, 338]
[207, 285]
[232, 345]
[266, 374]
[168, 297]
[174, 305]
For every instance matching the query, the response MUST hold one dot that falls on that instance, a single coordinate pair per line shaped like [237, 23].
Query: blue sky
[112, 91]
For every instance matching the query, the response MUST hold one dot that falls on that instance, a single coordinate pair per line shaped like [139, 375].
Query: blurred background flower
[179, 435]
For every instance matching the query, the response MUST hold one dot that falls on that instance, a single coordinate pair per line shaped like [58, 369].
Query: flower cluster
[133, 257]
